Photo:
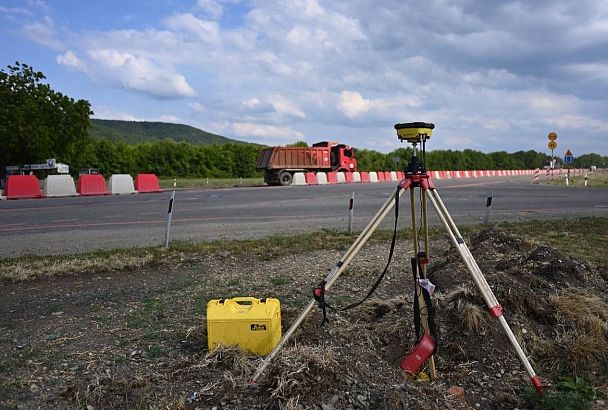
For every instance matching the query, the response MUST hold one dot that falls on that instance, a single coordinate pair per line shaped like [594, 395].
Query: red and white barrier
[22, 187]
[145, 183]
[311, 178]
[92, 184]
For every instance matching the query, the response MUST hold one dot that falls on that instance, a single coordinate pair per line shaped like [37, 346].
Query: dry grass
[581, 335]
[21, 269]
[462, 303]
[299, 367]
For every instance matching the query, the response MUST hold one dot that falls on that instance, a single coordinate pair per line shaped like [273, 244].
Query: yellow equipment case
[254, 325]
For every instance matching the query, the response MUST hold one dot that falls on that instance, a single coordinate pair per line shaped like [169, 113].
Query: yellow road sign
[552, 136]
[552, 144]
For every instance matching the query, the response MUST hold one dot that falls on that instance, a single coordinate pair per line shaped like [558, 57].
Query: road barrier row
[28, 186]
[323, 178]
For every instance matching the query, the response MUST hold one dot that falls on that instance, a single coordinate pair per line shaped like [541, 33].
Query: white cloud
[211, 8]
[140, 74]
[170, 118]
[14, 10]
[352, 104]
[43, 33]
[69, 59]
[266, 131]
[274, 63]
[285, 106]
[204, 30]
[311, 8]
[198, 107]
[251, 103]
[110, 113]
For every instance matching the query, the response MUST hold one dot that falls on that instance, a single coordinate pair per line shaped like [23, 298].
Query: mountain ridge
[135, 132]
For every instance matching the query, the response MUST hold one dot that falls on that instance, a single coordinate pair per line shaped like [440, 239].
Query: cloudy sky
[491, 75]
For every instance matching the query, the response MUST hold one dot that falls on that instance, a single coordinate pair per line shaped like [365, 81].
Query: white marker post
[351, 206]
[488, 209]
[170, 214]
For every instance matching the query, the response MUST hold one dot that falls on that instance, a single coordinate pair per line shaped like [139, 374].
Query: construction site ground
[136, 337]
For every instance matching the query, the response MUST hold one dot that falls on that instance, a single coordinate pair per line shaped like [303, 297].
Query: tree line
[37, 123]
[169, 158]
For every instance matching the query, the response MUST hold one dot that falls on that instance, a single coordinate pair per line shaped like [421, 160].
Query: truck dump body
[294, 158]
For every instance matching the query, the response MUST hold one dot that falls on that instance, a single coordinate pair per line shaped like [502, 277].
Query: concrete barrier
[59, 185]
[322, 178]
[356, 177]
[392, 176]
[380, 176]
[400, 175]
[332, 178]
[299, 179]
[92, 184]
[340, 178]
[364, 176]
[121, 184]
[373, 177]
[22, 187]
[348, 176]
[311, 178]
[146, 183]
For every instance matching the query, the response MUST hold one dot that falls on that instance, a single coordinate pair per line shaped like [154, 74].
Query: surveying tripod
[416, 176]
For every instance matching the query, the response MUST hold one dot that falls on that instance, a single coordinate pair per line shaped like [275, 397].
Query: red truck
[280, 163]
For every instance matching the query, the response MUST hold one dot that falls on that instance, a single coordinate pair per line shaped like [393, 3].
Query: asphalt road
[78, 224]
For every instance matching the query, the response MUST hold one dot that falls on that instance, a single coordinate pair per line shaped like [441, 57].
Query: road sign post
[568, 159]
[552, 145]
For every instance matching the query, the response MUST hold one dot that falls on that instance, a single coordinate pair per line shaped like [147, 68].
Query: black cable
[390, 255]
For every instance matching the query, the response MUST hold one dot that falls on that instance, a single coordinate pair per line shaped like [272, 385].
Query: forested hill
[133, 132]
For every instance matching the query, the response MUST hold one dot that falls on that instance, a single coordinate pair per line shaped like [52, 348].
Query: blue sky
[491, 75]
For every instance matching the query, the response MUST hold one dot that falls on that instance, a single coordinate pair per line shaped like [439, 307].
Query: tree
[37, 122]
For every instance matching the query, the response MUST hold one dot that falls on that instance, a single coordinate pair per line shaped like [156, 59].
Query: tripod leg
[482, 284]
[424, 320]
[332, 277]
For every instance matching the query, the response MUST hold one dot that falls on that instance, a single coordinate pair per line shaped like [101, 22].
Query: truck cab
[343, 157]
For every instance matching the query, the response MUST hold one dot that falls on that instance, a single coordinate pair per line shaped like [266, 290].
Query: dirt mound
[551, 301]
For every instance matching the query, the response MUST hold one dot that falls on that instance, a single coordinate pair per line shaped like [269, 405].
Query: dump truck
[280, 163]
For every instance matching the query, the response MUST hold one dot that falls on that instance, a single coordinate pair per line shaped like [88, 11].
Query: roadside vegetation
[584, 238]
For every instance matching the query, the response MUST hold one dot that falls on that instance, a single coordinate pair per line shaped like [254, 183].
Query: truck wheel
[285, 178]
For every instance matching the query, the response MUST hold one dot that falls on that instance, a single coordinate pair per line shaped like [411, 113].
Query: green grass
[167, 183]
[152, 310]
[596, 179]
[280, 280]
[570, 393]
[584, 238]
